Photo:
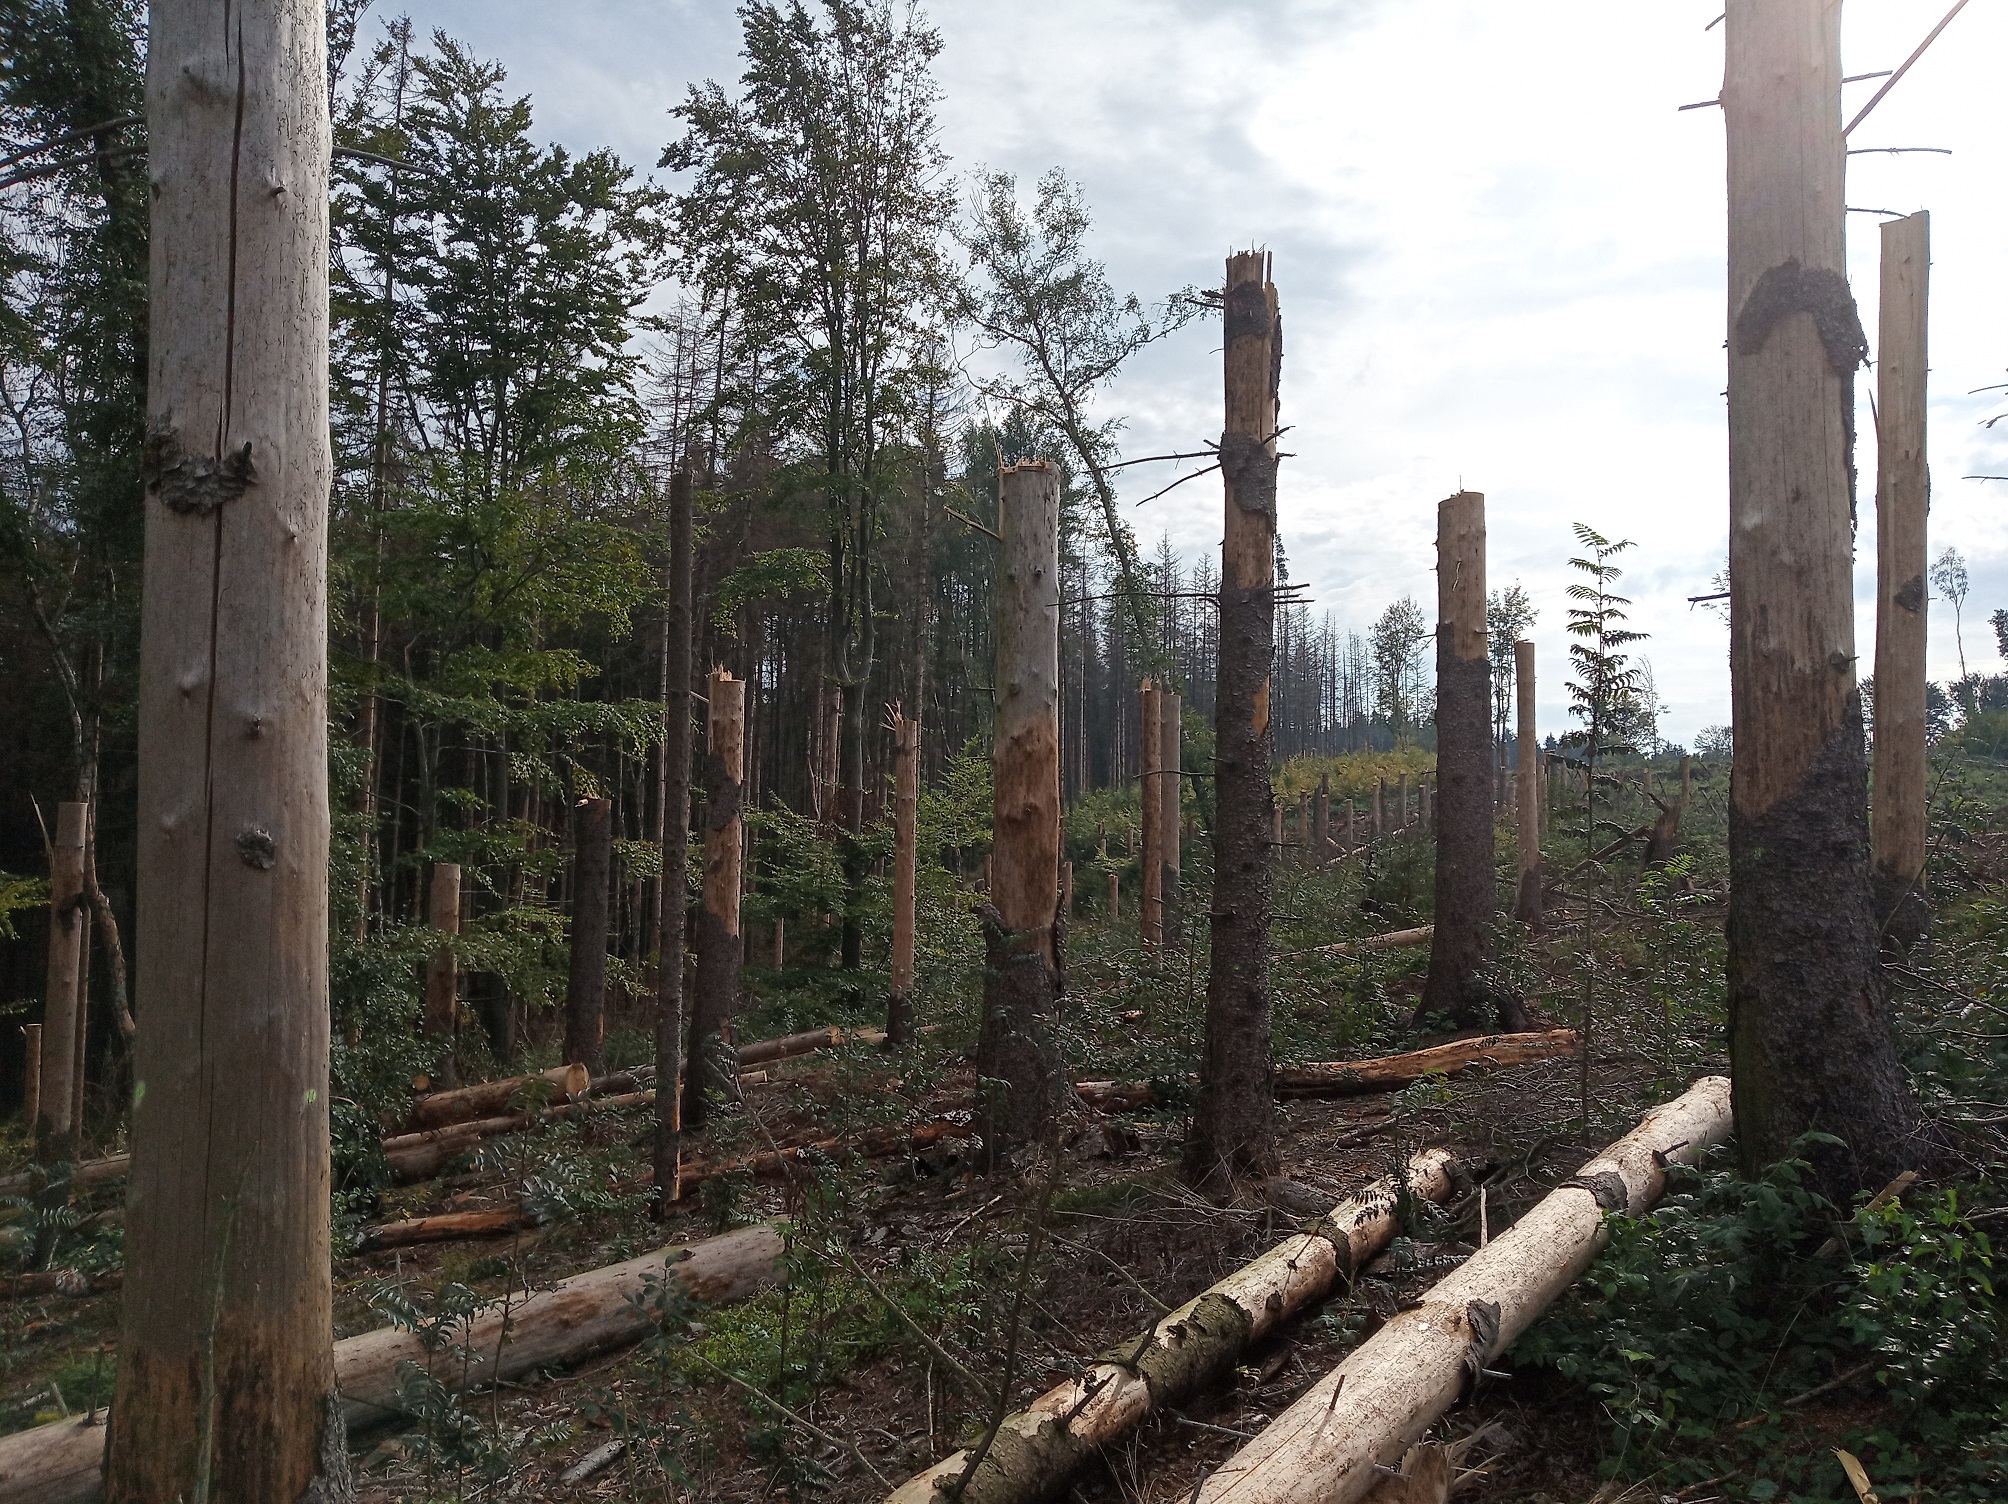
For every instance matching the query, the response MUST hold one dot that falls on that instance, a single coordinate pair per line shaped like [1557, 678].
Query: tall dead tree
[1808, 1036]
[63, 1003]
[226, 1371]
[442, 971]
[1527, 906]
[905, 865]
[1234, 1122]
[673, 895]
[1170, 761]
[1903, 498]
[1017, 1058]
[1150, 740]
[712, 1068]
[592, 882]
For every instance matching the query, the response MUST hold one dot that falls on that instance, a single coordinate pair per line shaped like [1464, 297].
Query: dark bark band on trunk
[592, 877]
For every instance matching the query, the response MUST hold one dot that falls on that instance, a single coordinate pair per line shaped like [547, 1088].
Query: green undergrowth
[1746, 1328]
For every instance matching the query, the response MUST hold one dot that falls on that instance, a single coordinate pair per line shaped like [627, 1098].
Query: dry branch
[1326, 1447]
[1038, 1449]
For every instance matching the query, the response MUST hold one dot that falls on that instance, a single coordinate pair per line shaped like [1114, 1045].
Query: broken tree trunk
[447, 1227]
[1527, 903]
[716, 991]
[673, 895]
[561, 1083]
[1664, 842]
[1351, 1078]
[1326, 1447]
[1809, 1035]
[225, 1379]
[1234, 1121]
[1903, 498]
[1016, 1055]
[62, 1007]
[592, 880]
[596, 1312]
[1467, 899]
[1183, 1354]
[1150, 907]
[1321, 820]
[1392, 940]
[1171, 756]
[442, 971]
[905, 867]
[1115, 896]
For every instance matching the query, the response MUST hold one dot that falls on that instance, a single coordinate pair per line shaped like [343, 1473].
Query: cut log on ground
[779, 1164]
[1039, 1448]
[788, 1046]
[1326, 1447]
[1392, 940]
[579, 1318]
[1349, 1078]
[447, 1227]
[488, 1098]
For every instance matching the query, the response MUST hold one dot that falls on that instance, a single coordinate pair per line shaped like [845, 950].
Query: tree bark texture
[1150, 798]
[1527, 789]
[1234, 1124]
[442, 971]
[905, 868]
[1389, 1390]
[1017, 1058]
[673, 896]
[715, 994]
[1808, 1034]
[592, 882]
[1467, 899]
[1903, 499]
[226, 1378]
[1185, 1353]
[1171, 754]
[31, 1073]
[63, 1004]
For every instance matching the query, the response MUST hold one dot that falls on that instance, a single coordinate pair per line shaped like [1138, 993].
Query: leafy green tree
[1396, 644]
[816, 202]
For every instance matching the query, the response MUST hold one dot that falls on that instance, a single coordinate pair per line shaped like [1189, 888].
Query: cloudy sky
[1498, 243]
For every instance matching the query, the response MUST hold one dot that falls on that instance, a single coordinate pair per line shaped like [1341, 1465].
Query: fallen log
[578, 1318]
[790, 1045]
[780, 1163]
[465, 1103]
[71, 1282]
[1350, 1078]
[1326, 1448]
[1393, 940]
[446, 1227]
[420, 1156]
[1039, 1448]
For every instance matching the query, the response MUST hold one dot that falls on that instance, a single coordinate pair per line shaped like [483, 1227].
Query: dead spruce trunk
[905, 869]
[673, 896]
[1024, 946]
[1171, 755]
[442, 971]
[1903, 498]
[592, 880]
[1367, 1411]
[1150, 908]
[1808, 1032]
[1234, 1121]
[1527, 903]
[226, 1379]
[63, 1006]
[1039, 1448]
[716, 990]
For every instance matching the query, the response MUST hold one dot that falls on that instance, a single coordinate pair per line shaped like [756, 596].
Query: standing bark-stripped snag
[1903, 497]
[1276, 823]
[1017, 1059]
[1234, 1120]
[1352, 826]
[1809, 1038]
[1423, 813]
[1380, 809]
[1527, 789]
[1401, 818]
[592, 880]
[1150, 910]
[905, 850]
[1467, 899]
[1171, 754]
[226, 1382]
[712, 1070]
[1321, 818]
[1664, 841]
[673, 893]
[63, 1003]
[442, 971]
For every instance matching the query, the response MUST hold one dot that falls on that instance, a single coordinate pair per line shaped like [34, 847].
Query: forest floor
[1589, 1410]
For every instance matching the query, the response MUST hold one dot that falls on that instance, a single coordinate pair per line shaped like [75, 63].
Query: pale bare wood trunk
[1324, 1448]
[1808, 1029]
[1380, 820]
[1115, 897]
[1170, 762]
[592, 881]
[62, 1005]
[1321, 821]
[905, 871]
[1346, 1078]
[559, 1084]
[673, 922]
[1150, 908]
[442, 971]
[1903, 499]
[1234, 1123]
[1527, 789]
[31, 1074]
[715, 995]
[1023, 962]
[1184, 1353]
[1401, 800]
[226, 1378]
